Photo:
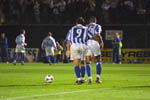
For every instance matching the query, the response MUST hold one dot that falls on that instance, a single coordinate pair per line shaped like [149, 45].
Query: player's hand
[68, 53]
[25, 44]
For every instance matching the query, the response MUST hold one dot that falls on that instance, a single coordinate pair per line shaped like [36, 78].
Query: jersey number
[79, 32]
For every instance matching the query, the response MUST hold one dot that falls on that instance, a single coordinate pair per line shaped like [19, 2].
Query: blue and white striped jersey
[93, 29]
[49, 42]
[78, 34]
[20, 39]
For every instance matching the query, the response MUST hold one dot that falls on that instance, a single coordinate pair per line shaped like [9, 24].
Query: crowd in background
[66, 11]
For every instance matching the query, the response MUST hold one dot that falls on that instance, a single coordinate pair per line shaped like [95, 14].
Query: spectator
[36, 11]
[117, 45]
[4, 48]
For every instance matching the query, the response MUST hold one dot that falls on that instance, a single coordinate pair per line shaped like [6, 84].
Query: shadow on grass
[19, 85]
[36, 85]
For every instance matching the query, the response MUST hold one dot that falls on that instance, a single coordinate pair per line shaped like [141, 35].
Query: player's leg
[88, 68]
[49, 59]
[15, 58]
[118, 56]
[98, 69]
[23, 54]
[114, 56]
[97, 53]
[53, 55]
[76, 57]
[82, 71]
[6, 55]
[88, 60]
[54, 59]
[48, 53]
[77, 70]
[23, 58]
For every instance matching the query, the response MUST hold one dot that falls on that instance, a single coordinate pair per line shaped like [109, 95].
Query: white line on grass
[52, 94]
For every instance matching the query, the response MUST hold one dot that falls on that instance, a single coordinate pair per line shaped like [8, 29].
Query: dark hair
[49, 33]
[92, 19]
[80, 20]
[22, 30]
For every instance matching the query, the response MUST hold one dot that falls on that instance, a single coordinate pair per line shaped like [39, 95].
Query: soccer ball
[49, 79]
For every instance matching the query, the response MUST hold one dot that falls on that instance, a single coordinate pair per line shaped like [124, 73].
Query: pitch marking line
[53, 94]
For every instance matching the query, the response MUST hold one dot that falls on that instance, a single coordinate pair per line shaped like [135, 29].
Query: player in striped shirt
[49, 45]
[20, 48]
[94, 48]
[76, 48]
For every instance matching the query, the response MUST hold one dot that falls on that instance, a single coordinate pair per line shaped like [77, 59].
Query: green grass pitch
[120, 82]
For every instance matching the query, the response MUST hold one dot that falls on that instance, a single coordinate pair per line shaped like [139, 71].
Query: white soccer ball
[49, 79]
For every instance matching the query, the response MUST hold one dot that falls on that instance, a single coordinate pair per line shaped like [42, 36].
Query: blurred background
[57, 16]
[131, 18]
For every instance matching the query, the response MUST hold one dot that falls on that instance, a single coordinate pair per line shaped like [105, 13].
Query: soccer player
[49, 45]
[4, 47]
[117, 45]
[20, 48]
[94, 45]
[76, 48]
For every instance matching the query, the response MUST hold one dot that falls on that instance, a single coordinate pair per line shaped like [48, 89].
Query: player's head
[80, 20]
[3, 35]
[23, 31]
[93, 19]
[117, 35]
[49, 33]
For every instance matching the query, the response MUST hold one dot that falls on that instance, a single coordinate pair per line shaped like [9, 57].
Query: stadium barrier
[32, 54]
[127, 55]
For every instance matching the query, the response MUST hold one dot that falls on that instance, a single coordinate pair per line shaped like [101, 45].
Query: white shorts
[93, 48]
[78, 51]
[20, 49]
[49, 51]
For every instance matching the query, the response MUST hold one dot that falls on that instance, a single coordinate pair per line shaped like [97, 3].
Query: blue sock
[77, 71]
[49, 59]
[54, 58]
[16, 58]
[98, 67]
[23, 58]
[88, 69]
[82, 71]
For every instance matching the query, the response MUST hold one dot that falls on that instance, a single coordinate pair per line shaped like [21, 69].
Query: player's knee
[98, 58]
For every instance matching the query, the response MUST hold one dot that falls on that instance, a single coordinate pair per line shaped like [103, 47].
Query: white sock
[98, 76]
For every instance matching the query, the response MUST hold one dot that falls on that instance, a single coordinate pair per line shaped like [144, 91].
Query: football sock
[77, 71]
[82, 71]
[54, 58]
[49, 59]
[16, 58]
[88, 69]
[98, 67]
[23, 58]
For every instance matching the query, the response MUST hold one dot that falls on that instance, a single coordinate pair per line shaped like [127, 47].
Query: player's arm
[98, 38]
[101, 41]
[24, 43]
[116, 42]
[68, 48]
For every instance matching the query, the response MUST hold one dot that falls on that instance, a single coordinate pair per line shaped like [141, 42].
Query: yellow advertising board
[128, 55]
